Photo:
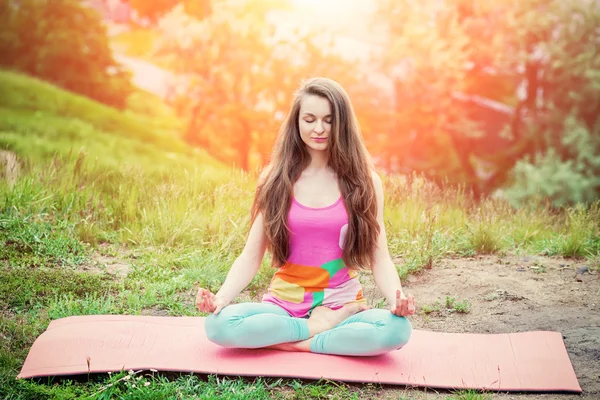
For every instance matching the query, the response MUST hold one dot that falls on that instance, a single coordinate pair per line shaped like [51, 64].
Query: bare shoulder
[264, 174]
[378, 186]
[377, 182]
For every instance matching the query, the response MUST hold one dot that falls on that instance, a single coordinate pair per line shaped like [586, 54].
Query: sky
[348, 20]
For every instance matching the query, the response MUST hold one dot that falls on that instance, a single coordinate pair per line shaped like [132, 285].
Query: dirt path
[515, 294]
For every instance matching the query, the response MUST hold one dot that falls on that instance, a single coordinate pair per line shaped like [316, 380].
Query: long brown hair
[348, 157]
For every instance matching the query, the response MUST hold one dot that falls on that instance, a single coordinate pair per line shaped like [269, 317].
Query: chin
[319, 148]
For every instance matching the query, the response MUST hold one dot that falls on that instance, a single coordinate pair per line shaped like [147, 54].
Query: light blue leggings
[255, 325]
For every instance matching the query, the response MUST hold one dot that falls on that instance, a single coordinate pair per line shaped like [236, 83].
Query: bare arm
[384, 271]
[246, 266]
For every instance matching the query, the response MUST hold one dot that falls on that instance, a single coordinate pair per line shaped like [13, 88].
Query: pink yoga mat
[528, 361]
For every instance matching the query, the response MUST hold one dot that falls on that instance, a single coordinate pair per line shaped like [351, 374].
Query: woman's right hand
[208, 302]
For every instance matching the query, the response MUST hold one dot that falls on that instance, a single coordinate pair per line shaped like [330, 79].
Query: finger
[396, 307]
[411, 304]
[212, 300]
[203, 296]
[404, 307]
[208, 298]
[207, 305]
[199, 300]
[200, 296]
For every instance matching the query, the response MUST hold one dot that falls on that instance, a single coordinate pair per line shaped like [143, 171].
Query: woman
[319, 210]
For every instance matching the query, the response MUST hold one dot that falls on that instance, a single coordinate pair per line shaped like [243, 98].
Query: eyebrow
[313, 115]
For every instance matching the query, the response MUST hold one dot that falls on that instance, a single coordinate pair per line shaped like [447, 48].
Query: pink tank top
[315, 273]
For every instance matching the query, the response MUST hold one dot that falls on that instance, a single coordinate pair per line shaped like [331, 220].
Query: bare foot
[303, 345]
[323, 318]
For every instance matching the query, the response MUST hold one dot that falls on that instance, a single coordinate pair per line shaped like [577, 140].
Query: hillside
[39, 121]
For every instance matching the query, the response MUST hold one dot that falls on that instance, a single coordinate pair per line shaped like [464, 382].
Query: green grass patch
[580, 236]
[31, 241]
[24, 93]
[23, 287]
[448, 305]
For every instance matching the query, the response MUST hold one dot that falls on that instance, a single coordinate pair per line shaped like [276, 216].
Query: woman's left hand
[404, 306]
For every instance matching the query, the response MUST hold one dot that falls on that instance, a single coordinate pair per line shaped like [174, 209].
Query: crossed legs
[347, 331]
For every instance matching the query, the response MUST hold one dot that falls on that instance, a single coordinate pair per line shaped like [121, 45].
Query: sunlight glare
[327, 7]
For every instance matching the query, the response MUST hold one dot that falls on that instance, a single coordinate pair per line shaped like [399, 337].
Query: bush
[563, 180]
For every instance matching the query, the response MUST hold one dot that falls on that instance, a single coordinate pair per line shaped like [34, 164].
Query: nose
[319, 129]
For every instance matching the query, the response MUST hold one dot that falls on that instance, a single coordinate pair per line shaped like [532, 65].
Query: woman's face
[314, 122]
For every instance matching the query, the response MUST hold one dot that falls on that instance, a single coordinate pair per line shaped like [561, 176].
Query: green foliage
[571, 71]
[65, 43]
[536, 60]
[560, 179]
[566, 165]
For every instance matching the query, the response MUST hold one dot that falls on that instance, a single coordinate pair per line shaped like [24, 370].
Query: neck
[319, 160]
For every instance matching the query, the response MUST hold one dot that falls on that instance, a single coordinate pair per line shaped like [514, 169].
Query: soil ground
[514, 294]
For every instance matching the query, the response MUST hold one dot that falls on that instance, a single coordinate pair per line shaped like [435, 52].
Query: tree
[63, 42]
[239, 80]
[488, 83]
[156, 9]
[425, 57]
[565, 166]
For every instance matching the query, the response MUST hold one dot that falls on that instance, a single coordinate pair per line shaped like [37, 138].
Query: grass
[448, 305]
[99, 184]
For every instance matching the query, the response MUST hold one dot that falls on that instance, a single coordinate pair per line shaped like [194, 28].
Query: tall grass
[208, 210]
[129, 206]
